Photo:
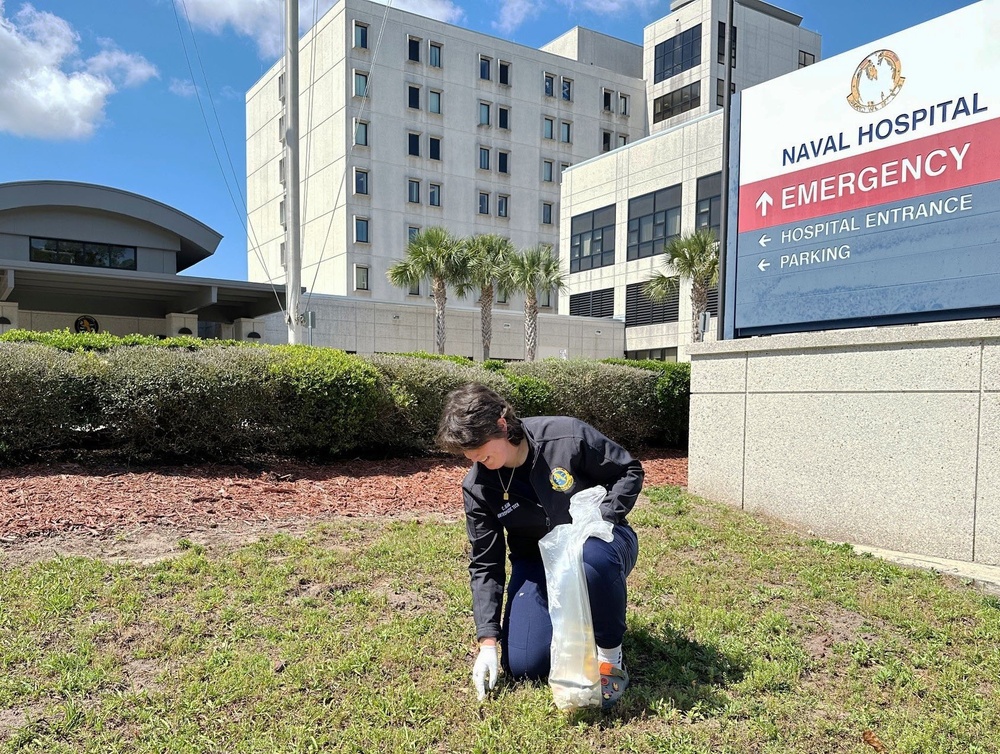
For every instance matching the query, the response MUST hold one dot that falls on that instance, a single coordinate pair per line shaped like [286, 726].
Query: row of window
[362, 178]
[653, 219]
[639, 309]
[502, 160]
[610, 141]
[414, 46]
[677, 102]
[82, 254]
[415, 139]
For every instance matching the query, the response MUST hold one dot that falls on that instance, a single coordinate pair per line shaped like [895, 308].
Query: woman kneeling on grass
[524, 474]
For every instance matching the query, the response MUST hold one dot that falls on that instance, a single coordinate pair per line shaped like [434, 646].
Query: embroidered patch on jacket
[560, 479]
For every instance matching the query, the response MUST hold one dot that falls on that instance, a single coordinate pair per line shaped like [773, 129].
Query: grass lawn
[743, 637]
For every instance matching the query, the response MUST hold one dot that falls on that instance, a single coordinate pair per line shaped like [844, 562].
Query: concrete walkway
[986, 577]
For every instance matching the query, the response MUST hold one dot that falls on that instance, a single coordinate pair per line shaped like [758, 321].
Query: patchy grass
[358, 638]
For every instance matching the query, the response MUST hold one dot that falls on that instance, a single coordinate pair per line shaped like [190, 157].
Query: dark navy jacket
[568, 456]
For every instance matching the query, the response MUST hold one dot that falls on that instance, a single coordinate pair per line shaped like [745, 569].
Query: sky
[148, 96]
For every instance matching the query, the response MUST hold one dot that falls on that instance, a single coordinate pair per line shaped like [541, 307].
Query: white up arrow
[764, 240]
[764, 202]
[763, 264]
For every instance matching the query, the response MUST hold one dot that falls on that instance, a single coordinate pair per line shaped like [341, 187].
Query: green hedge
[65, 340]
[199, 400]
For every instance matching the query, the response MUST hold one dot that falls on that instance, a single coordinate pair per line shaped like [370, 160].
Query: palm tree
[486, 259]
[694, 256]
[433, 255]
[533, 270]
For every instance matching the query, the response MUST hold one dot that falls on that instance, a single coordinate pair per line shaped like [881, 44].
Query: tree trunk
[699, 304]
[440, 299]
[530, 325]
[486, 315]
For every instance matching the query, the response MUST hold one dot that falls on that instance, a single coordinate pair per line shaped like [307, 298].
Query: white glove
[486, 664]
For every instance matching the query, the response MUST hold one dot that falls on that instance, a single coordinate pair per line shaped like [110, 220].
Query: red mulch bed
[66, 497]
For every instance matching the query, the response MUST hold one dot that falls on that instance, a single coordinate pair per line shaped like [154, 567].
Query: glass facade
[653, 219]
[592, 240]
[677, 54]
[82, 254]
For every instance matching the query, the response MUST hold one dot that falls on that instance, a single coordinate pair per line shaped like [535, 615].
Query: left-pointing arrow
[764, 240]
[763, 264]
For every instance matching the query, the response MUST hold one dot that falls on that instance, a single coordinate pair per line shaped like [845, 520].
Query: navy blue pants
[526, 631]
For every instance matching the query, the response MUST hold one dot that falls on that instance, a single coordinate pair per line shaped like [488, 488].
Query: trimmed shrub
[327, 402]
[48, 401]
[419, 387]
[209, 403]
[673, 393]
[65, 340]
[619, 401]
[530, 396]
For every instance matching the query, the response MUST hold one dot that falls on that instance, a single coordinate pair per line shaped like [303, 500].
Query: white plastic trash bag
[574, 676]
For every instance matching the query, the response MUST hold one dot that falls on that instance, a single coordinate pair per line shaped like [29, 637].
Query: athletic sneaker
[614, 681]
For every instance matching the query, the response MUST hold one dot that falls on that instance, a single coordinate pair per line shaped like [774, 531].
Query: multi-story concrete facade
[670, 183]
[409, 123]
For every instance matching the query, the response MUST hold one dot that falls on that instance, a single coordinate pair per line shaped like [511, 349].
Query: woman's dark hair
[469, 419]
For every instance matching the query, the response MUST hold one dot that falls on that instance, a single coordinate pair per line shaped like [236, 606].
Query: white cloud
[264, 20]
[513, 13]
[119, 66]
[182, 88]
[48, 91]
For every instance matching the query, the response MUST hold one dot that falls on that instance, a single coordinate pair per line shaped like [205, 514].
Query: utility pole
[293, 228]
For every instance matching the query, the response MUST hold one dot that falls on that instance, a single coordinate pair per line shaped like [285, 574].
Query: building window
[567, 89]
[413, 145]
[281, 88]
[545, 298]
[806, 58]
[653, 219]
[563, 167]
[708, 210]
[622, 140]
[434, 57]
[281, 171]
[434, 148]
[549, 85]
[82, 254]
[281, 130]
[501, 297]
[640, 309]
[609, 100]
[502, 202]
[605, 141]
[546, 213]
[677, 102]
[413, 97]
[412, 232]
[720, 91]
[484, 68]
[434, 195]
[503, 162]
[413, 49]
[434, 102]
[504, 73]
[361, 229]
[360, 277]
[722, 45]
[281, 213]
[503, 118]
[413, 192]
[565, 132]
[623, 107]
[360, 84]
[415, 287]
[360, 181]
[677, 54]
[548, 128]
[484, 113]
[592, 240]
[361, 133]
[593, 303]
[360, 36]
[484, 158]
[547, 166]
[484, 203]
